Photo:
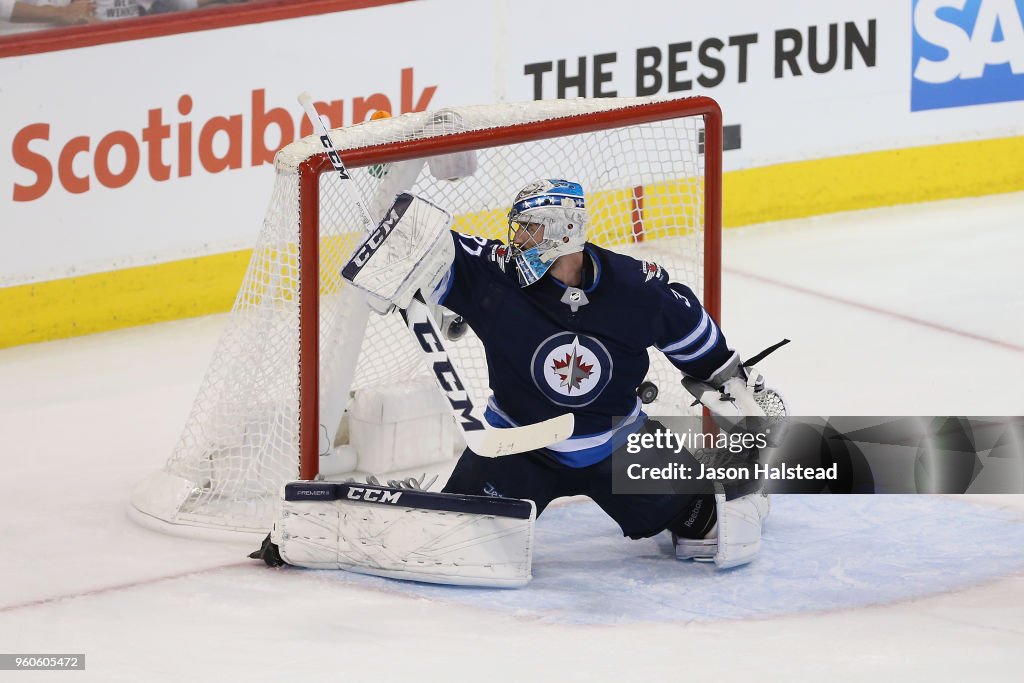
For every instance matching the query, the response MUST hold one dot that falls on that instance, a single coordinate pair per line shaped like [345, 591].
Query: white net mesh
[645, 188]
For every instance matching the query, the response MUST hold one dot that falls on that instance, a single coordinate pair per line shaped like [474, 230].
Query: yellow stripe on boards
[200, 286]
[122, 298]
[863, 181]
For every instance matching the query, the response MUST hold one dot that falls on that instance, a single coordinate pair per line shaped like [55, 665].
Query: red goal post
[311, 169]
[295, 348]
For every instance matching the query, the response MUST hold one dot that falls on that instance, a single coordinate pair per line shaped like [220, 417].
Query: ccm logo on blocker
[967, 52]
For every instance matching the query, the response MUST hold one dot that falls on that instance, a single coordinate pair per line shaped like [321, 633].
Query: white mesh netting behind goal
[641, 163]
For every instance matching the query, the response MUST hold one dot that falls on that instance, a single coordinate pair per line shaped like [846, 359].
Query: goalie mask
[550, 217]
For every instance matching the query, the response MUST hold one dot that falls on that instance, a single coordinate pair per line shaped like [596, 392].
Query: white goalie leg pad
[409, 250]
[736, 538]
[407, 534]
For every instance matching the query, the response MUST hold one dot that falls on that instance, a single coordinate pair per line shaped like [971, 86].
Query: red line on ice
[121, 586]
[875, 309]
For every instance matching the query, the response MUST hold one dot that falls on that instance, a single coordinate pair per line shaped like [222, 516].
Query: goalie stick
[480, 437]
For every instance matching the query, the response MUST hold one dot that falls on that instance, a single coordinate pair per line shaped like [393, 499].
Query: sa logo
[967, 53]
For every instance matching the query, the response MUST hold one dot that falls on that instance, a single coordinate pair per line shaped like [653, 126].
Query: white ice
[914, 310]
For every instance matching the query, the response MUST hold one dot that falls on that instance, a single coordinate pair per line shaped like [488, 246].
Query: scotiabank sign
[99, 172]
[169, 145]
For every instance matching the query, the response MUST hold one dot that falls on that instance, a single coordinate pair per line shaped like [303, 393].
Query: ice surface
[818, 553]
[915, 310]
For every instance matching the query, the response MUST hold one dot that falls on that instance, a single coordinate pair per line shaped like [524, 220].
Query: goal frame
[310, 170]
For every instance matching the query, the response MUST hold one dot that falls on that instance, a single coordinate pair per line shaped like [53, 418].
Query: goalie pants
[538, 476]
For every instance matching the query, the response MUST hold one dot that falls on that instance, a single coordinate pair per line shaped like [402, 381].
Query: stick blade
[497, 442]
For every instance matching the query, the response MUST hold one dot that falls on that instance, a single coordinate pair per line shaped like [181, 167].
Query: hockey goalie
[566, 326]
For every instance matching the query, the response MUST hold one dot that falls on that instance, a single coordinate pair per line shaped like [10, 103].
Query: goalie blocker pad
[409, 250]
[406, 533]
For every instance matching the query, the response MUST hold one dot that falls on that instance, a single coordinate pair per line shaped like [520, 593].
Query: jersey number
[465, 241]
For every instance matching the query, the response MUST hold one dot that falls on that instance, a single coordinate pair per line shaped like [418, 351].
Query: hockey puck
[455, 328]
[648, 392]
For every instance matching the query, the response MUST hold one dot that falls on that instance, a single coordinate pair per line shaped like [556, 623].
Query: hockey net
[298, 344]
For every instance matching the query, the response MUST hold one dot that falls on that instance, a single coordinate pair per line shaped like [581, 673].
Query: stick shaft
[332, 153]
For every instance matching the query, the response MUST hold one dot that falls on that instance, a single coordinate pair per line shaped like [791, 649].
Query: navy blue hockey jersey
[544, 359]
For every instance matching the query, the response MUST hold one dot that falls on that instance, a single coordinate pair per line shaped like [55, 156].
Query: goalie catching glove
[738, 390]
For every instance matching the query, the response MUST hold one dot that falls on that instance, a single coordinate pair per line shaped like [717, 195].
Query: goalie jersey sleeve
[480, 265]
[689, 337]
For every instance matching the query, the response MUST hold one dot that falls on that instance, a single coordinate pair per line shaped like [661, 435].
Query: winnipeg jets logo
[652, 271]
[500, 254]
[571, 370]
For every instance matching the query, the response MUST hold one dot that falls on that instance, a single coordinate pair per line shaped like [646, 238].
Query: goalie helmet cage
[298, 343]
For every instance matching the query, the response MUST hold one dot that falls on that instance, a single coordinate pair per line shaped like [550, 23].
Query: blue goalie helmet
[550, 217]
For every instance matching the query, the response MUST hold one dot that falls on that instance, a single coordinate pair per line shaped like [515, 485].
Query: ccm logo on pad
[373, 495]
